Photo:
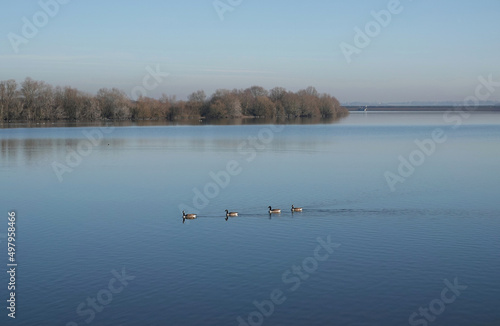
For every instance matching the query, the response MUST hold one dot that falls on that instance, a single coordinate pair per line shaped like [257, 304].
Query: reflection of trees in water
[27, 151]
[187, 122]
[8, 151]
[62, 123]
[42, 152]
[260, 121]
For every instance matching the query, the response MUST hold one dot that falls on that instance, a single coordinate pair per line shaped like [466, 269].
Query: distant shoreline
[422, 108]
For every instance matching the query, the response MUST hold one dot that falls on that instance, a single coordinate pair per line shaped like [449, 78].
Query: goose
[231, 214]
[296, 209]
[274, 211]
[188, 216]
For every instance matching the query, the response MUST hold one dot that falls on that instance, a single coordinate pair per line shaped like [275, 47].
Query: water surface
[117, 206]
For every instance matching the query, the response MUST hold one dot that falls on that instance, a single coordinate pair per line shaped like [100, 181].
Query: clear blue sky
[431, 51]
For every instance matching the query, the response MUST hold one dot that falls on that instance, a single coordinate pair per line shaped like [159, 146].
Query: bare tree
[45, 102]
[114, 103]
[309, 102]
[276, 94]
[29, 92]
[263, 107]
[216, 109]
[224, 103]
[291, 104]
[166, 107]
[196, 104]
[246, 101]
[8, 99]
[71, 103]
[90, 108]
[198, 96]
[257, 91]
[142, 108]
[38, 100]
[311, 91]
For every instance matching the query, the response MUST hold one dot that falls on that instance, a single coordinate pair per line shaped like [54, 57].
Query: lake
[400, 222]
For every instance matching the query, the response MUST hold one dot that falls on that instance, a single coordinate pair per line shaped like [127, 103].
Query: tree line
[34, 100]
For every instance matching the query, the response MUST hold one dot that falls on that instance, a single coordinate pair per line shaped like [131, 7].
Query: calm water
[115, 205]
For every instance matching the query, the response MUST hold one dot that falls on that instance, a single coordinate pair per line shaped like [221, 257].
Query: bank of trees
[34, 100]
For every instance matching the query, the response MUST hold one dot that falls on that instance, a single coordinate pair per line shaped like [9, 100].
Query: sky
[416, 50]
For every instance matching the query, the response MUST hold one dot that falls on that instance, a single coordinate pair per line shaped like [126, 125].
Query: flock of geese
[234, 214]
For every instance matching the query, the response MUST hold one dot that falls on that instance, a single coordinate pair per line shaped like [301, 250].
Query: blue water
[117, 208]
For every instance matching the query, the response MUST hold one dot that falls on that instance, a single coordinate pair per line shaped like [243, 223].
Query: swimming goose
[296, 209]
[274, 211]
[232, 214]
[188, 216]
